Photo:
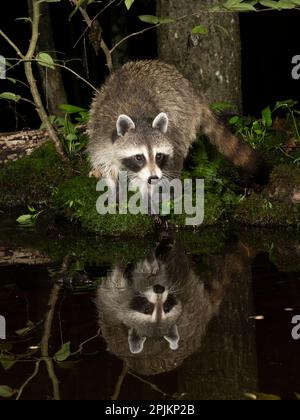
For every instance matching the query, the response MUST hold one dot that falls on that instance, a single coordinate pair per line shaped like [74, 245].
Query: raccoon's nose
[158, 289]
[153, 179]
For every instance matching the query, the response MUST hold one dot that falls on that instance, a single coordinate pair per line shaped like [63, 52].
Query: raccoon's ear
[161, 122]
[173, 338]
[124, 124]
[136, 343]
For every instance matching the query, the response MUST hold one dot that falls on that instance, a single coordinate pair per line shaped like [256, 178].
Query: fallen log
[21, 256]
[13, 146]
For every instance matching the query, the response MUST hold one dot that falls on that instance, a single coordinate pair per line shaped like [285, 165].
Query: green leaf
[286, 4]
[46, 60]
[156, 20]
[278, 5]
[30, 325]
[25, 19]
[79, 4]
[71, 137]
[10, 79]
[166, 20]
[202, 30]
[31, 209]
[25, 219]
[149, 19]
[7, 361]
[6, 391]
[64, 353]
[71, 109]
[9, 96]
[243, 7]
[128, 3]
[234, 120]
[267, 117]
[231, 3]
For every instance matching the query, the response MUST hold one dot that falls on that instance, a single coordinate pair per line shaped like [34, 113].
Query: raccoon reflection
[146, 300]
[155, 314]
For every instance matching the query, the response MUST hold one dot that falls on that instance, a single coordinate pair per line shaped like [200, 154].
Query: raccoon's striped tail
[233, 148]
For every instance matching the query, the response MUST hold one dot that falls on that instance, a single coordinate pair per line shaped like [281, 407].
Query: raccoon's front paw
[95, 174]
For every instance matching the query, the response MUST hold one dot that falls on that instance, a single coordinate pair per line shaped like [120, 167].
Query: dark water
[235, 294]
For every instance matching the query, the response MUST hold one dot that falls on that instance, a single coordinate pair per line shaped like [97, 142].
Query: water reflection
[155, 314]
[172, 319]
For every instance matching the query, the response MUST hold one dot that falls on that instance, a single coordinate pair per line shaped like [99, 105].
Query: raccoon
[144, 121]
[155, 314]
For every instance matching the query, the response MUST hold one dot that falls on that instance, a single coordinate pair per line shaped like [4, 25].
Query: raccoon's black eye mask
[134, 163]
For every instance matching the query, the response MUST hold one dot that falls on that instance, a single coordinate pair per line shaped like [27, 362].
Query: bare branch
[11, 43]
[93, 22]
[133, 35]
[32, 82]
[78, 76]
[119, 384]
[27, 382]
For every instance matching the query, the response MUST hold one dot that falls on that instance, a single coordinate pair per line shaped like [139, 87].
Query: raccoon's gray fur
[150, 347]
[149, 108]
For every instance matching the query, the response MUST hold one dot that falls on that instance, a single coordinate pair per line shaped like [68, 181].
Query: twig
[153, 386]
[119, 384]
[36, 371]
[132, 35]
[80, 348]
[12, 44]
[78, 76]
[93, 22]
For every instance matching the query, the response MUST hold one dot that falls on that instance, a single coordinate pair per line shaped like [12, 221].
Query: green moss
[30, 180]
[284, 182]
[260, 211]
[76, 200]
[217, 210]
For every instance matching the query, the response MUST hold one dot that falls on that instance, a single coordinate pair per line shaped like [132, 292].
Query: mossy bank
[43, 181]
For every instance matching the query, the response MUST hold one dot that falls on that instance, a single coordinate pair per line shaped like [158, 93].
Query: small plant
[276, 130]
[69, 128]
[253, 131]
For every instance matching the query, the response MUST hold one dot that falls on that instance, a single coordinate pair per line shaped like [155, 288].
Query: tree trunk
[211, 62]
[225, 367]
[52, 82]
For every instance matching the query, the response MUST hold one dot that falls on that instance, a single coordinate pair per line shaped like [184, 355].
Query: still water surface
[84, 320]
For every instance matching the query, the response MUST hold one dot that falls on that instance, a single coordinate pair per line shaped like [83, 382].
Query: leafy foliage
[277, 130]
[68, 128]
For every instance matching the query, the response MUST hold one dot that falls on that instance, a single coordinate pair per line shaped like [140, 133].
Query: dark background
[269, 41]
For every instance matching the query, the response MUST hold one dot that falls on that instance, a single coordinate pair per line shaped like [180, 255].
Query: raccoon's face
[144, 151]
[153, 313]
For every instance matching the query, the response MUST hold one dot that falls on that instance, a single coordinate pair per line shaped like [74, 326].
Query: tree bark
[225, 367]
[211, 62]
[16, 145]
[52, 82]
